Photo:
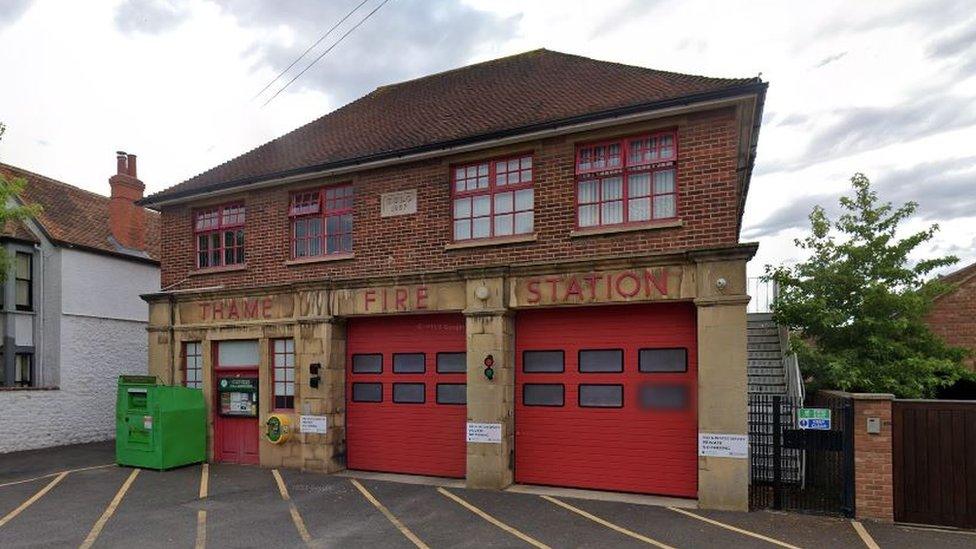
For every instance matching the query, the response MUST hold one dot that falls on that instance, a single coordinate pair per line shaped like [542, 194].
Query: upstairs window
[493, 198]
[321, 222]
[24, 281]
[629, 180]
[220, 236]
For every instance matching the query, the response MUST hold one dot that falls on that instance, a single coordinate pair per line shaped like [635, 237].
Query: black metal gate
[797, 469]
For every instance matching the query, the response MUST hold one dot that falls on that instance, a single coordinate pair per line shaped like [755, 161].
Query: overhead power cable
[330, 48]
[310, 48]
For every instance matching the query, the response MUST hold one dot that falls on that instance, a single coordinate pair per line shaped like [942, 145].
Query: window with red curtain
[321, 221]
[629, 180]
[493, 198]
[220, 236]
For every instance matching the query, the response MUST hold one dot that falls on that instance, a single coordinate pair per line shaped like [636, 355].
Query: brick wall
[873, 492]
[954, 318]
[707, 206]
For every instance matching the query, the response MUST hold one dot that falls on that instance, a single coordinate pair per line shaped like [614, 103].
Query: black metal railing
[797, 469]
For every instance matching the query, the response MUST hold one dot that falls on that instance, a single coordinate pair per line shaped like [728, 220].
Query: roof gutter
[637, 113]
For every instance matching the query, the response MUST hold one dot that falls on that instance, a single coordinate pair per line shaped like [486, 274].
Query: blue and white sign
[816, 419]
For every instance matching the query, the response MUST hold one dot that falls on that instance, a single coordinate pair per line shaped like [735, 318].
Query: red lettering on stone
[205, 310]
[532, 286]
[369, 296]
[657, 279]
[251, 308]
[591, 282]
[636, 284]
[266, 307]
[232, 310]
[218, 310]
[553, 284]
[422, 297]
[386, 305]
[401, 299]
[573, 289]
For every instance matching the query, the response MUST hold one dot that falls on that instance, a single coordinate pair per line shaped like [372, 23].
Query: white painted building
[70, 312]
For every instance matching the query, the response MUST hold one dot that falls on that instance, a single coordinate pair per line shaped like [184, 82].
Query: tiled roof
[72, 216]
[506, 96]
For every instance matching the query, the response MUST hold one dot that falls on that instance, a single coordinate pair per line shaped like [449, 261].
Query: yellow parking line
[42, 477]
[608, 524]
[201, 542]
[40, 493]
[734, 529]
[522, 536]
[865, 536]
[389, 516]
[201, 530]
[109, 511]
[296, 517]
[204, 480]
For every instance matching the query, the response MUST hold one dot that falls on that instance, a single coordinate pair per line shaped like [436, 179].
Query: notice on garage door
[723, 445]
[490, 433]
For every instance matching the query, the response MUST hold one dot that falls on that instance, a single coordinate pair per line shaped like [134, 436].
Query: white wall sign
[312, 424]
[723, 445]
[490, 433]
[398, 203]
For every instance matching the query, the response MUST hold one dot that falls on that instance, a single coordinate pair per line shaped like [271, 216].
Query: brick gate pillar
[490, 332]
[873, 488]
[723, 480]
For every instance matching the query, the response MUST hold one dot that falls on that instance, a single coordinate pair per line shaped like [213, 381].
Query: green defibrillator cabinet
[159, 426]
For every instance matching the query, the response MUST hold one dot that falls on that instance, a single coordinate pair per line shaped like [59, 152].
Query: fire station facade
[526, 270]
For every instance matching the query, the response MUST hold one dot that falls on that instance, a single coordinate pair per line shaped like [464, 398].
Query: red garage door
[406, 395]
[606, 398]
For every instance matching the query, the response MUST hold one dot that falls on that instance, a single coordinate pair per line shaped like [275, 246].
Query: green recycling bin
[159, 426]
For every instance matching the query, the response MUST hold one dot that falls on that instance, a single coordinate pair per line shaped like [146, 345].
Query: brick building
[953, 316]
[525, 270]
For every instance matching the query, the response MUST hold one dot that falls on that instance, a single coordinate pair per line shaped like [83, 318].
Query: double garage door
[605, 397]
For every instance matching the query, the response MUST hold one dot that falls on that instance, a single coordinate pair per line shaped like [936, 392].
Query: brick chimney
[126, 219]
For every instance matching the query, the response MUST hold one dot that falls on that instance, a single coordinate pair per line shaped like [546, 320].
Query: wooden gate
[935, 462]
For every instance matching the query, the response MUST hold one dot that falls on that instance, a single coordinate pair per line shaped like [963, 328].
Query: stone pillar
[322, 343]
[490, 331]
[873, 490]
[161, 345]
[723, 482]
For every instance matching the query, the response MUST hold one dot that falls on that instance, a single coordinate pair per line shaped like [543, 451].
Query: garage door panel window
[452, 393]
[408, 393]
[367, 364]
[409, 363]
[538, 362]
[543, 394]
[663, 360]
[601, 361]
[601, 396]
[672, 398]
[367, 392]
[452, 363]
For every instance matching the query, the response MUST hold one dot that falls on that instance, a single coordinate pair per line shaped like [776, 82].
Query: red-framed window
[493, 198]
[630, 180]
[193, 364]
[283, 373]
[321, 221]
[220, 236]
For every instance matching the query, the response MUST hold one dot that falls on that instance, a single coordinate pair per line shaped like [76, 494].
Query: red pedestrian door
[406, 391]
[605, 398]
[236, 401]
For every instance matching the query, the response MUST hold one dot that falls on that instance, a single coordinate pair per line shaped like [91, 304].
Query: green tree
[11, 209]
[857, 305]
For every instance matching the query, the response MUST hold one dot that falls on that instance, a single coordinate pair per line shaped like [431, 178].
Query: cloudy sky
[883, 87]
